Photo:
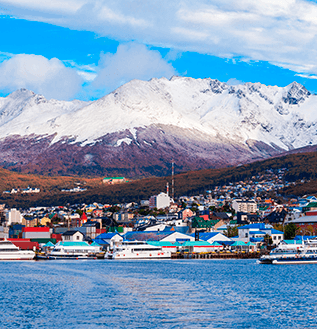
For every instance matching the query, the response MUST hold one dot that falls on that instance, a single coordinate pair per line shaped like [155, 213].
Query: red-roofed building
[25, 244]
[36, 233]
[57, 237]
[83, 218]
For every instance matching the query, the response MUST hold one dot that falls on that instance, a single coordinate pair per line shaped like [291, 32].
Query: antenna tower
[173, 179]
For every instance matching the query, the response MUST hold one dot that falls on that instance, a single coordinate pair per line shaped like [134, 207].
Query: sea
[204, 293]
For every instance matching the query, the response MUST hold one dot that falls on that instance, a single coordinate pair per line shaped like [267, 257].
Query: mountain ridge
[143, 125]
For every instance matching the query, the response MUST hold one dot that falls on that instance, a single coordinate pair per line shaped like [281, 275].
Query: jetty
[218, 255]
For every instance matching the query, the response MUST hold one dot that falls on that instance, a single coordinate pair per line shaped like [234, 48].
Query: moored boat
[305, 253]
[9, 251]
[137, 250]
[72, 250]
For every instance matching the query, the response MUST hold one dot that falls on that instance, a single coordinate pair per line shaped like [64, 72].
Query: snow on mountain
[280, 116]
[202, 120]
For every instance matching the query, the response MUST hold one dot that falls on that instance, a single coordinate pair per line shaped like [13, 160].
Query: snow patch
[123, 140]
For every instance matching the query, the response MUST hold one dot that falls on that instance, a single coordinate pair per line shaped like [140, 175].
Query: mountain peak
[296, 94]
[22, 92]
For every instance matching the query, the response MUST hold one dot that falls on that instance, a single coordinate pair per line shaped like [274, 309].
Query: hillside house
[113, 180]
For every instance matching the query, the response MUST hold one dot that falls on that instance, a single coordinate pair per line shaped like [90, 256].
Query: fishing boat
[9, 251]
[305, 253]
[137, 250]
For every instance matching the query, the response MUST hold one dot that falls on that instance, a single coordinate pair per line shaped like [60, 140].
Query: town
[238, 218]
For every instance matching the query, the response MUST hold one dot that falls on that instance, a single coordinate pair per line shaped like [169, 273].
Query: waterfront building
[73, 235]
[212, 237]
[108, 240]
[36, 233]
[200, 246]
[257, 232]
[170, 236]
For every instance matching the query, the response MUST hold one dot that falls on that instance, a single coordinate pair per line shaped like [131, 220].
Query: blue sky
[94, 46]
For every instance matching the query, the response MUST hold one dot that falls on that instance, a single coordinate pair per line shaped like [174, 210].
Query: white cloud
[131, 61]
[281, 32]
[306, 76]
[47, 77]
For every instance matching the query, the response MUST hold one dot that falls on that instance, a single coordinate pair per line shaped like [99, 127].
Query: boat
[305, 253]
[9, 251]
[72, 250]
[137, 250]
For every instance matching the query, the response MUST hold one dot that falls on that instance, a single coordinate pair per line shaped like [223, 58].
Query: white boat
[72, 250]
[305, 253]
[9, 251]
[137, 250]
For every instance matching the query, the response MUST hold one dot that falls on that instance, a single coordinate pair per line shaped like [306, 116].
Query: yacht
[305, 253]
[72, 250]
[137, 250]
[9, 251]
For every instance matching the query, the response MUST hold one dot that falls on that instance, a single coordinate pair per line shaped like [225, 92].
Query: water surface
[204, 293]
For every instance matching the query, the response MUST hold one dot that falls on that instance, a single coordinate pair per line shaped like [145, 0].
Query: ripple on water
[156, 294]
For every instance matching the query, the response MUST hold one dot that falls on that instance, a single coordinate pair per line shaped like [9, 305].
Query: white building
[178, 237]
[109, 239]
[244, 206]
[13, 216]
[160, 201]
[73, 236]
[257, 232]
[212, 237]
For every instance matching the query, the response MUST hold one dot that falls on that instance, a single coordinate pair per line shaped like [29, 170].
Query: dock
[216, 255]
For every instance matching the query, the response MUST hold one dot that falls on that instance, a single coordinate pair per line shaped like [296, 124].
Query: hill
[298, 167]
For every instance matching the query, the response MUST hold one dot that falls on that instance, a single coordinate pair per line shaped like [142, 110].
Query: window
[77, 237]
[246, 235]
[274, 237]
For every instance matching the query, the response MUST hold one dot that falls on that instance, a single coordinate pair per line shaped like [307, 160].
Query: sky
[85, 49]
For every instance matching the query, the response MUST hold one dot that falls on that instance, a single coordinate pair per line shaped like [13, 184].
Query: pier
[215, 255]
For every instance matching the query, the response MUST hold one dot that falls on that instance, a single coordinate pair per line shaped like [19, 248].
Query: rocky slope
[141, 127]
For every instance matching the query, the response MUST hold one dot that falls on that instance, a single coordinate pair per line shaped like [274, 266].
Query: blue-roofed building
[108, 240]
[211, 237]
[258, 231]
[257, 240]
[172, 236]
[305, 237]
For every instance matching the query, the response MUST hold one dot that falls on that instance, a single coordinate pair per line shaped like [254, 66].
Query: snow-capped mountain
[140, 127]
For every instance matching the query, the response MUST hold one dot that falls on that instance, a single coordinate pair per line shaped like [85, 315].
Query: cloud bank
[281, 32]
[53, 79]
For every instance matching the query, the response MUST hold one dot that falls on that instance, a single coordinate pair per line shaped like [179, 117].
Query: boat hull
[289, 260]
[17, 256]
[140, 255]
[70, 257]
